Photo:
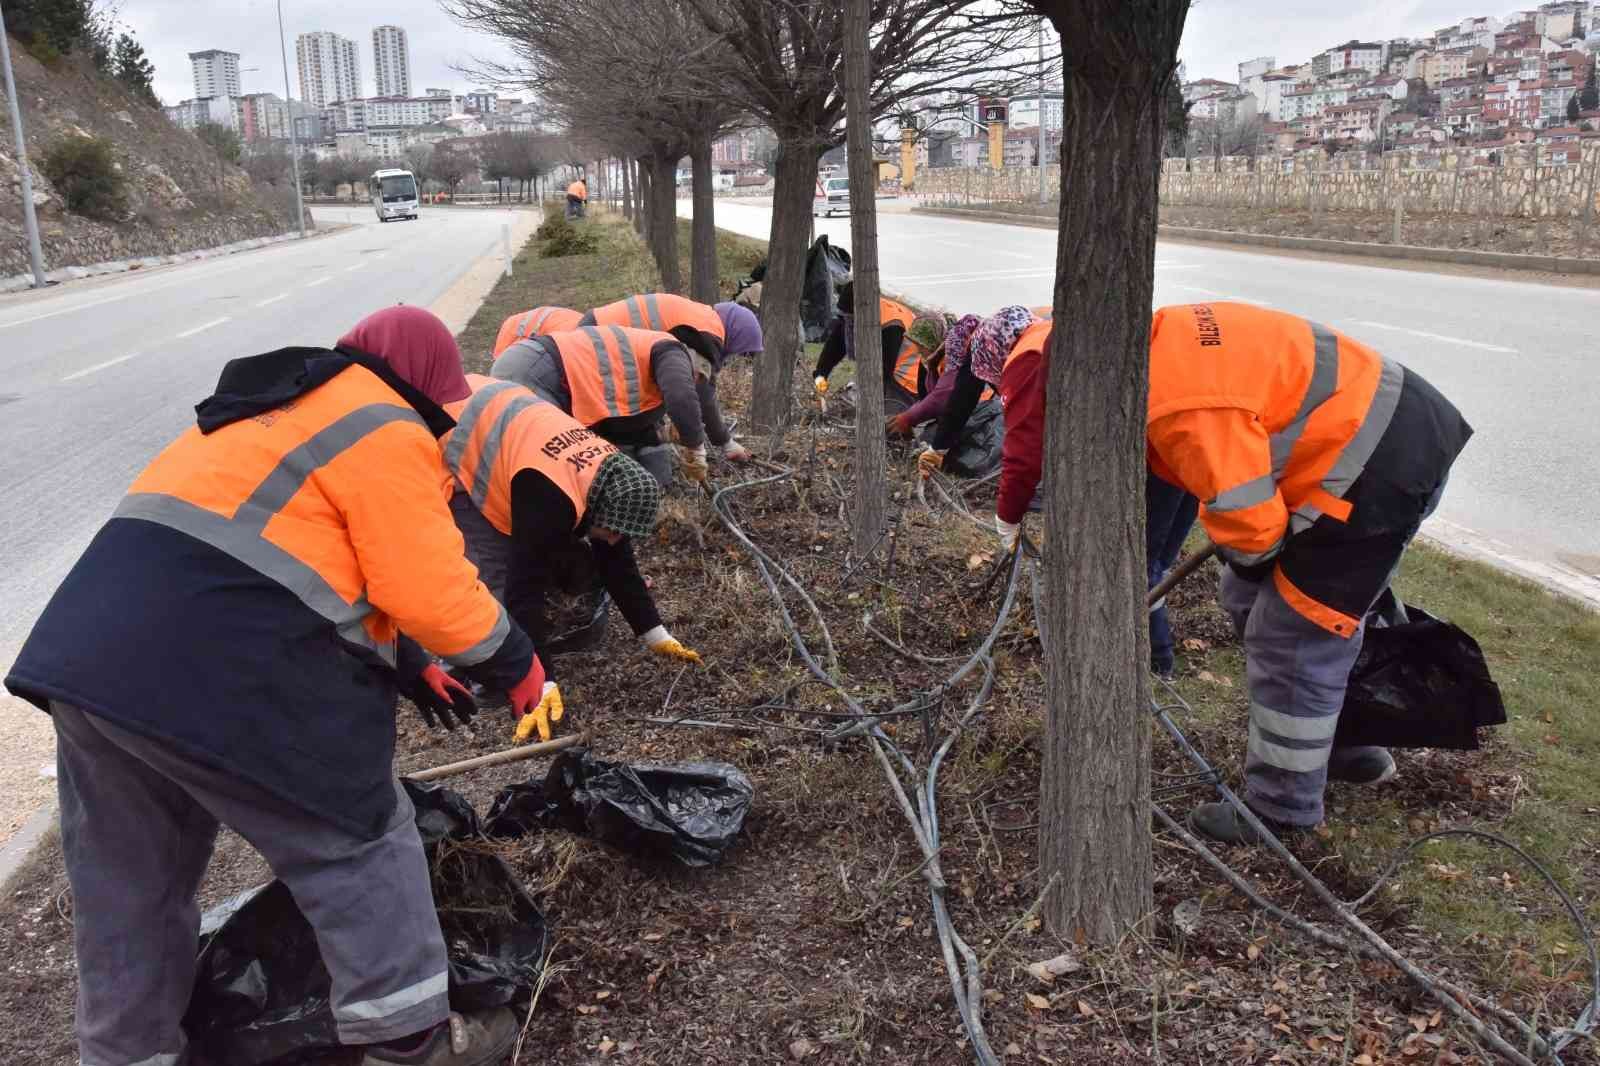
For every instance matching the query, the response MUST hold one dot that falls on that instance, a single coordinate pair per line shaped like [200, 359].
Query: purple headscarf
[993, 339]
[956, 339]
[742, 327]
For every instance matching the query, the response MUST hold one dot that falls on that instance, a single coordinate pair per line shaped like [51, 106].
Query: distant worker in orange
[225, 652]
[712, 333]
[905, 346]
[544, 503]
[535, 322]
[577, 198]
[621, 383]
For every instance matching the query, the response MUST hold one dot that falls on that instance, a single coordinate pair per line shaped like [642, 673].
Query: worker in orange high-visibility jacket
[1315, 459]
[534, 322]
[905, 379]
[225, 651]
[619, 382]
[543, 502]
[712, 333]
[577, 198]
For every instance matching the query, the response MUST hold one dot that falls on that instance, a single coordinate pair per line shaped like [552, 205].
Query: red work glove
[440, 698]
[536, 702]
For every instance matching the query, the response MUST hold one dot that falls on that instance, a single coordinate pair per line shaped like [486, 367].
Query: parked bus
[394, 194]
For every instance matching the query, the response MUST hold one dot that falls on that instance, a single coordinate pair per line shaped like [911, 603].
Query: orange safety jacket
[578, 189]
[504, 429]
[537, 322]
[663, 312]
[906, 371]
[244, 602]
[1269, 419]
[608, 370]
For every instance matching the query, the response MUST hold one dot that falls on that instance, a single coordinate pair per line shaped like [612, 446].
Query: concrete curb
[15, 853]
[1547, 264]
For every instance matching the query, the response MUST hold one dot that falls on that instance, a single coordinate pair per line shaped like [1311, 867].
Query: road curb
[15, 852]
[1543, 264]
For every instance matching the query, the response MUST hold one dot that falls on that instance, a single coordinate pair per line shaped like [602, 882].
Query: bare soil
[813, 941]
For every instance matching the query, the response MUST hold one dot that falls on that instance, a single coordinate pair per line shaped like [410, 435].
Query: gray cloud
[171, 29]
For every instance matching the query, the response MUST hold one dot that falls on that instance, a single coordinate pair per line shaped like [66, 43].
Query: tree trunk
[866, 526]
[793, 184]
[664, 218]
[627, 189]
[641, 218]
[1094, 819]
[703, 250]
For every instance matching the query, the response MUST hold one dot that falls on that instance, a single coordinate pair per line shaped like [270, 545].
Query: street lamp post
[29, 219]
[294, 135]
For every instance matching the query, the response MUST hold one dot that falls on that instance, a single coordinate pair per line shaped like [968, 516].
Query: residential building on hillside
[1385, 85]
[1195, 90]
[346, 115]
[263, 117]
[391, 61]
[405, 111]
[212, 110]
[330, 68]
[1356, 55]
[1269, 91]
[216, 73]
[481, 103]
[1225, 107]
[446, 93]
[1251, 73]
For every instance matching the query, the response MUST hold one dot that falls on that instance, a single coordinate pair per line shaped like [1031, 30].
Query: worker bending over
[535, 322]
[713, 335]
[223, 653]
[943, 347]
[619, 382]
[577, 198]
[903, 349]
[540, 499]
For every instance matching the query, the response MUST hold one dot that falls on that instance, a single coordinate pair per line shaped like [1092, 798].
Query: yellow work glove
[550, 709]
[667, 646]
[821, 384]
[694, 463]
[929, 460]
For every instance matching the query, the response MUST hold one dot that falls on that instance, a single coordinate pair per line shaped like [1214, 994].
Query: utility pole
[1044, 168]
[29, 219]
[294, 135]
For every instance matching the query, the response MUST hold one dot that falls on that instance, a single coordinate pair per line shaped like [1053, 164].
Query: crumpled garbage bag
[1420, 683]
[689, 812]
[983, 438]
[827, 268]
[261, 992]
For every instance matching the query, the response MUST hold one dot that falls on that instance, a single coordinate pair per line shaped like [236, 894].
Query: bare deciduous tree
[1118, 58]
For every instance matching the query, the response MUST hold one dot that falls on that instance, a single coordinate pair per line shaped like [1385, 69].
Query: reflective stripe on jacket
[608, 370]
[538, 322]
[662, 312]
[505, 429]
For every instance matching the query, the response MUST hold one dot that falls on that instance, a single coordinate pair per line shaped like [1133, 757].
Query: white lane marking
[975, 274]
[1217, 295]
[353, 268]
[970, 278]
[273, 300]
[202, 328]
[967, 246]
[86, 371]
[1439, 337]
[66, 310]
[320, 281]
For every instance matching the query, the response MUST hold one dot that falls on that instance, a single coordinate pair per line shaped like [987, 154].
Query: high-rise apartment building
[216, 73]
[391, 61]
[330, 68]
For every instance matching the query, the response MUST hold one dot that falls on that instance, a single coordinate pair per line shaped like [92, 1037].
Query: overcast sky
[1220, 34]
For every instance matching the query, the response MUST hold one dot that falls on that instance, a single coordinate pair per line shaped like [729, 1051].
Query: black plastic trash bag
[1420, 684]
[827, 268]
[261, 992]
[690, 812]
[977, 452]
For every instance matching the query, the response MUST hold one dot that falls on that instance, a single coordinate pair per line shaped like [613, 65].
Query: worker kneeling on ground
[713, 333]
[224, 653]
[577, 198]
[535, 322]
[905, 380]
[619, 382]
[539, 497]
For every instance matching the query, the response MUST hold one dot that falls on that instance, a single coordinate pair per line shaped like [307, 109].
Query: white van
[394, 194]
[833, 194]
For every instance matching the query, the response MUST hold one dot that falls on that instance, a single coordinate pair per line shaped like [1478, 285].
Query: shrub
[84, 170]
[562, 238]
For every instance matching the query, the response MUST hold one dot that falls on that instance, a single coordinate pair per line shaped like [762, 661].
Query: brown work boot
[483, 1038]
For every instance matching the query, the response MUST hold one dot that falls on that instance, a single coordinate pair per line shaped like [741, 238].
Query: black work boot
[483, 1038]
[1219, 821]
[1361, 766]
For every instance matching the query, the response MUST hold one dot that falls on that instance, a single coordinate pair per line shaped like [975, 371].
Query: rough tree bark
[664, 216]
[627, 188]
[793, 184]
[1094, 820]
[703, 231]
[866, 526]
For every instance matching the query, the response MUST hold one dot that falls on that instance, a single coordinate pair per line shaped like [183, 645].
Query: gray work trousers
[487, 548]
[138, 822]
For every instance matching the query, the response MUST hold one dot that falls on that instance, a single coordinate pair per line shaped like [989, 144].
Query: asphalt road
[97, 377]
[1517, 357]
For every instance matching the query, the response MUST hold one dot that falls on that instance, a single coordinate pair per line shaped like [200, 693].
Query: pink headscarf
[417, 346]
[993, 340]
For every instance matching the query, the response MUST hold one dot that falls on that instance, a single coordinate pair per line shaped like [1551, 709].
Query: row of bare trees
[647, 82]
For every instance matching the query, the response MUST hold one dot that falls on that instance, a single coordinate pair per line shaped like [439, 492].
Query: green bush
[84, 171]
[562, 238]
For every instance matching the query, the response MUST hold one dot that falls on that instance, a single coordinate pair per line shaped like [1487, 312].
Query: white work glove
[735, 452]
[1008, 532]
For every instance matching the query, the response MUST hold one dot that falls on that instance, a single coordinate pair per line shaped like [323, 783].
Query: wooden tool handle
[516, 754]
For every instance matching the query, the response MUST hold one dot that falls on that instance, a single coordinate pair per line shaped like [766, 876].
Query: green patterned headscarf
[927, 332]
[623, 497]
